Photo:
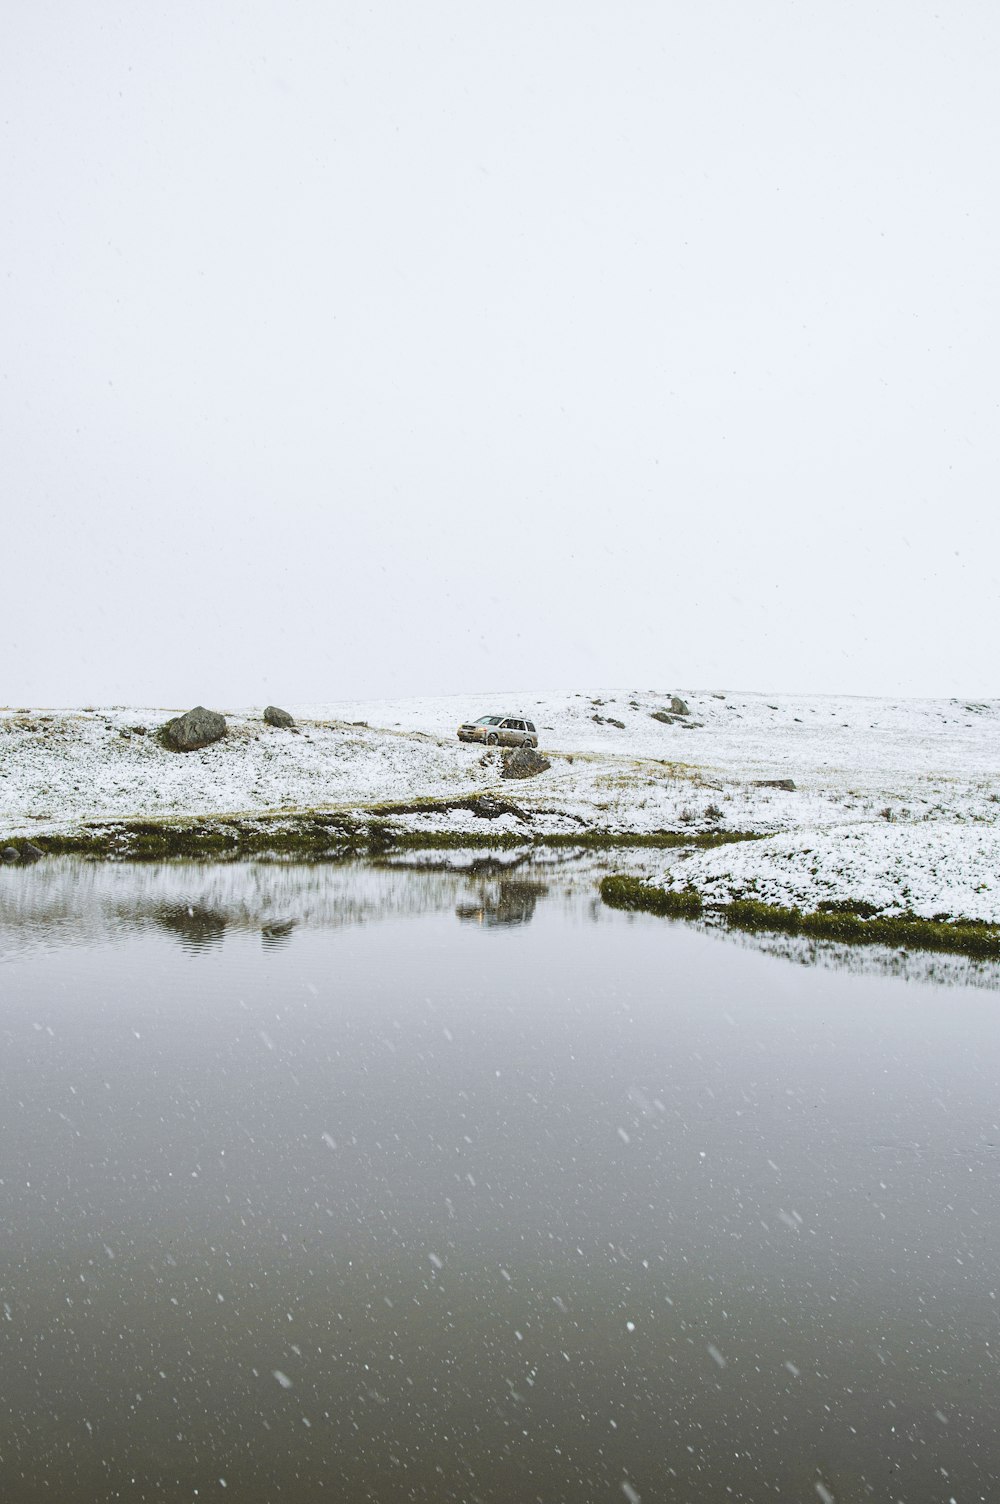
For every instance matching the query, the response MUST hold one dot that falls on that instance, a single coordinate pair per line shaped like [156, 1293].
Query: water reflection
[67, 901]
[381, 1219]
[274, 936]
[196, 928]
[500, 903]
[938, 968]
[202, 904]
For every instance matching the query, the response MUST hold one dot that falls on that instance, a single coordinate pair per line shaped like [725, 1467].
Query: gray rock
[275, 717]
[522, 762]
[488, 807]
[31, 853]
[195, 728]
[677, 715]
[9, 854]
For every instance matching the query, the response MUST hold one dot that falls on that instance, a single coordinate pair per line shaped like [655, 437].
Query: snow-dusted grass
[940, 870]
[896, 803]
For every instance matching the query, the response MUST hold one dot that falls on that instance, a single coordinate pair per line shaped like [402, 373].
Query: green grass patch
[603, 840]
[455, 840]
[630, 893]
[850, 923]
[589, 840]
[857, 907]
[899, 931]
[228, 838]
[323, 836]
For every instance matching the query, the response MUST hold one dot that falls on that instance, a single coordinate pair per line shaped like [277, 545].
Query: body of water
[357, 1184]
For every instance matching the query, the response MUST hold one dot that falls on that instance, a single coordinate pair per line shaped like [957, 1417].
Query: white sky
[400, 348]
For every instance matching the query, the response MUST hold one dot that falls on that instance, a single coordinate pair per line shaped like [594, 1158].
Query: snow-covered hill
[895, 798]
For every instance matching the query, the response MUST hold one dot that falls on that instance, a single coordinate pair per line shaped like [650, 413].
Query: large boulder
[276, 717]
[195, 728]
[676, 715]
[522, 762]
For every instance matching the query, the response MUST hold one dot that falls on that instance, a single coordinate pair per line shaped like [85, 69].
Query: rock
[9, 854]
[488, 807]
[522, 762]
[31, 853]
[195, 728]
[276, 717]
[677, 715]
[788, 784]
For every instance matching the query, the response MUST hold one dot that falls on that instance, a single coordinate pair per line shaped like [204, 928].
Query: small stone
[31, 853]
[10, 855]
[274, 716]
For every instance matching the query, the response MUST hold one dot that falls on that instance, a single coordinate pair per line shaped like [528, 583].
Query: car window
[507, 726]
[518, 725]
[530, 725]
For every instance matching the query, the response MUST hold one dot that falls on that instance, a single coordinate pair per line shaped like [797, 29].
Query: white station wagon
[500, 730]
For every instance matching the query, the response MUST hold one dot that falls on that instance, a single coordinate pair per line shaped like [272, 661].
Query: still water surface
[332, 1183]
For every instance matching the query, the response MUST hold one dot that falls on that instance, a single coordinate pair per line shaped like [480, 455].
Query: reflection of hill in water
[873, 960]
[69, 901]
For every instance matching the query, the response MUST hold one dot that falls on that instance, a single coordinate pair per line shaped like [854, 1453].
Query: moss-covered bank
[221, 839]
[631, 893]
[328, 836]
[842, 921]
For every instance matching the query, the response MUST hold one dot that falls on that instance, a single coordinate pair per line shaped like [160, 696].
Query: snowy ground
[896, 802]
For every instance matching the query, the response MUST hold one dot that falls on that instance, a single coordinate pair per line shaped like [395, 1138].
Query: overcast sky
[366, 349]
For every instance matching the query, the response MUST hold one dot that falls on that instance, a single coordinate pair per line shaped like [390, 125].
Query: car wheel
[492, 739]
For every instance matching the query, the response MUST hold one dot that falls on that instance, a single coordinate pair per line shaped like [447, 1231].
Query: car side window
[518, 725]
[530, 725]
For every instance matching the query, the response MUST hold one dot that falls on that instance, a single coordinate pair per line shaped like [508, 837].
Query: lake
[353, 1183]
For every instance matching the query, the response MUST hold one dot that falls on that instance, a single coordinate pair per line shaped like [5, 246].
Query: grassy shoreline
[843, 921]
[331, 836]
[319, 835]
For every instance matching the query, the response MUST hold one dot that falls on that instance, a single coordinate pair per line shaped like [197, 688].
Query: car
[500, 730]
